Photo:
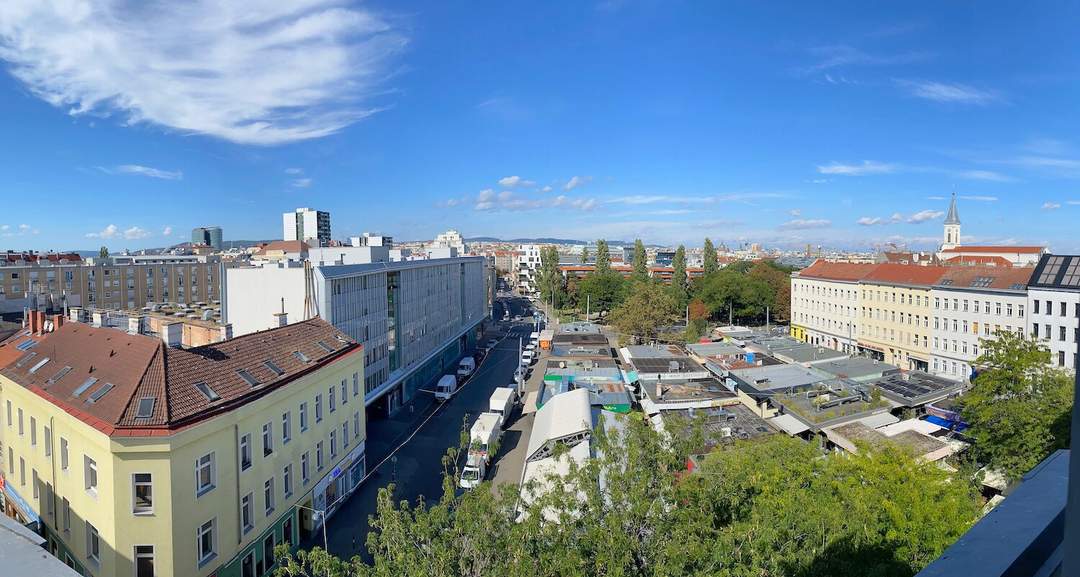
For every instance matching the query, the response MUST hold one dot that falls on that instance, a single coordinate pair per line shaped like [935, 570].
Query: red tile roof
[284, 246]
[906, 274]
[141, 367]
[843, 271]
[1002, 249]
[967, 259]
[992, 277]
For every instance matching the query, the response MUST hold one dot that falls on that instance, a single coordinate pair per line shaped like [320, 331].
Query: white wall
[1062, 352]
[971, 312]
[827, 310]
[253, 295]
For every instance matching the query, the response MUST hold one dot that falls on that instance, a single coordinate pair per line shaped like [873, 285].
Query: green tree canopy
[549, 279]
[584, 255]
[641, 261]
[603, 258]
[647, 308]
[747, 296]
[103, 252]
[678, 277]
[1019, 405]
[601, 292]
[708, 257]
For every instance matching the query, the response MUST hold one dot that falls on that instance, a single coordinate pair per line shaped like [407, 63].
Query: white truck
[483, 436]
[502, 401]
[466, 368]
[446, 387]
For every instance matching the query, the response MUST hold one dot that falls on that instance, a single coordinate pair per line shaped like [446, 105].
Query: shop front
[332, 490]
[18, 508]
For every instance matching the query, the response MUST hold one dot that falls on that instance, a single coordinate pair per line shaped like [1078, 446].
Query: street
[416, 467]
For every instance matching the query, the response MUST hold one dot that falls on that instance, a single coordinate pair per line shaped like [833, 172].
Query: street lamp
[326, 544]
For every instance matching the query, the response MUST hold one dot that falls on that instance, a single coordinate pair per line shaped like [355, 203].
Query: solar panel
[982, 281]
[59, 375]
[207, 391]
[1053, 265]
[325, 347]
[946, 282]
[301, 357]
[1072, 273]
[86, 385]
[248, 377]
[273, 368]
[38, 365]
[145, 409]
[26, 345]
[25, 359]
[96, 395]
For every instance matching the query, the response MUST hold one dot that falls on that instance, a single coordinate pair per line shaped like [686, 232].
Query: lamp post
[326, 543]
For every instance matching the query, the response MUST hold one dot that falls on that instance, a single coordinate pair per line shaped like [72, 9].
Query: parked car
[466, 368]
[446, 387]
[527, 358]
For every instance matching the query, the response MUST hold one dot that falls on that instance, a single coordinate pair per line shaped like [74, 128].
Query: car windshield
[470, 474]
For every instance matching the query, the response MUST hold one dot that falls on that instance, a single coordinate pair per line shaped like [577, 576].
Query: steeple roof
[952, 217]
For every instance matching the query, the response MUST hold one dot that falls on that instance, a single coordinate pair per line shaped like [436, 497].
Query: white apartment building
[450, 239]
[527, 264]
[1054, 301]
[971, 304]
[415, 318]
[310, 226]
[825, 304]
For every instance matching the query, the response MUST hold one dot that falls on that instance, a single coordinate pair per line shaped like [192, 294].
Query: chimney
[98, 319]
[58, 321]
[75, 314]
[171, 334]
[226, 332]
[134, 325]
[281, 319]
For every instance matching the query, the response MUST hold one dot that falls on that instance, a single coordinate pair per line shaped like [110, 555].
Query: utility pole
[588, 302]
[766, 318]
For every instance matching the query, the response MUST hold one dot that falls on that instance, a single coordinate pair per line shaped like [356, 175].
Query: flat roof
[778, 377]
[914, 388]
[688, 391]
[720, 424]
[832, 403]
[809, 354]
[856, 368]
[23, 554]
[717, 349]
[647, 352]
[668, 366]
[346, 270]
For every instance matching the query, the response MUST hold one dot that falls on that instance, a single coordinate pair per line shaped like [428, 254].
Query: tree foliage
[1019, 406]
[103, 252]
[770, 507]
[603, 258]
[641, 261]
[678, 277]
[708, 257]
[647, 308]
[548, 278]
[584, 255]
[601, 292]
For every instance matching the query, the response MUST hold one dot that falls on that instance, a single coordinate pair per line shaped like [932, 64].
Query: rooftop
[986, 277]
[1001, 248]
[1057, 271]
[776, 378]
[857, 368]
[841, 271]
[719, 349]
[720, 424]
[134, 385]
[831, 403]
[662, 393]
[916, 388]
[920, 444]
[905, 274]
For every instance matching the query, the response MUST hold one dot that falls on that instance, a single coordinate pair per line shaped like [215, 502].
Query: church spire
[952, 217]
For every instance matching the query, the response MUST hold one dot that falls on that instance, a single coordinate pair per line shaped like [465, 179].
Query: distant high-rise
[209, 235]
[307, 225]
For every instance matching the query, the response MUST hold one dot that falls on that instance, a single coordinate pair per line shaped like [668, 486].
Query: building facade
[894, 315]
[136, 459]
[1054, 304]
[450, 239]
[415, 318]
[825, 304]
[527, 266]
[305, 224]
[209, 236]
[120, 282]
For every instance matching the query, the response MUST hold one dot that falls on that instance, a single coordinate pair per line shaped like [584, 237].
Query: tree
[708, 257]
[103, 252]
[585, 255]
[549, 279]
[641, 261]
[745, 296]
[648, 308]
[603, 258]
[698, 315]
[779, 282]
[601, 292]
[1019, 406]
[678, 277]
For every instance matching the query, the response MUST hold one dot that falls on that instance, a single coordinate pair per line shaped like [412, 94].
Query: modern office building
[310, 226]
[115, 282]
[1054, 301]
[134, 458]
[415, 318]
[209, 236]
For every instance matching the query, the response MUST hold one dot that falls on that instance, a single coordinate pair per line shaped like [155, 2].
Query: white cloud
[166, 231]
[978, 198]
[925, 215]
[795, 212]
[135, 233]
[948, 92]
[301, 183]
[871, 221]
[1051, 205]
[576, 181]
[987, 175]
[294, 171]
[805, 224]
[24, 227]
[141, 170]
[111, 231]
[5, 227]
[253, 72]
[546, 189]
[865, 168]
[512, 181]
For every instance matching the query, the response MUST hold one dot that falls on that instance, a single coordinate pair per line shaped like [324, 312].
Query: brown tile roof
[1004, 249]
[843, 271]
[982, 259]
[141, 367]
[9, 351]
[991, 277]
[283, 246]
[906, 274]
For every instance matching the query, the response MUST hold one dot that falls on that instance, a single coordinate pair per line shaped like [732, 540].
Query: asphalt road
[417, 470]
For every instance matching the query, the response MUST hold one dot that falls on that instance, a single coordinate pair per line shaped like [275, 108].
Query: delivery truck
[502, 402]
[483, 437]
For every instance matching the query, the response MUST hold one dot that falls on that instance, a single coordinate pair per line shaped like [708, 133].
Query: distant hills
[542, 240]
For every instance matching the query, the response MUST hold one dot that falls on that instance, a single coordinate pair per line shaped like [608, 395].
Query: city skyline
[783, 125]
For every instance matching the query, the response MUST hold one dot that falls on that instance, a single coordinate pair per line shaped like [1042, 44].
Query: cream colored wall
[899, 322]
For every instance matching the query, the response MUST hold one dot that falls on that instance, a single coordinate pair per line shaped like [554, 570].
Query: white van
[466, 368]
[502, 401]
[446, 387]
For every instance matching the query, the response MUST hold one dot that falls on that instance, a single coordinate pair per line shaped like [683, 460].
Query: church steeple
[952, 227]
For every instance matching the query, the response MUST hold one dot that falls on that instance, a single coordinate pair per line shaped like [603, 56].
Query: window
[1063, 308]
[21, 429]
[63, 454]
[318, 456]
[247, 517]
[89, 474]
[93, 544]
[1061, 358]
[1061, 334]
[204, 475]
[268, 496]
[207, 392]
[286, 481]
[1020, 310]
[286, 428]
[1035, 330]
[205, 541]
[143, 490]
[268, 551]
[144, 561]
[245, 452]
[273, 368]
[1035, 306]
[355, 384]
[33, 432]
[318, 408]
[35, 482]
[248, 377]
[268, 439]
[304, 473]
[1008, 309]
[48, 442]
[1046, 331]
[11, 461]
[9, 413]
[333, 444]
[330, 399]
[345, 435]
[303, 417]
[67, 515]
[356, 424]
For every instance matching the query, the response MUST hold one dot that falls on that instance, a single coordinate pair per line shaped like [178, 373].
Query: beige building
[894, 316]
[137, 459]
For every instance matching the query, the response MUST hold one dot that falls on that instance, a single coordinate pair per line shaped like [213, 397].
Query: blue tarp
[957, 426]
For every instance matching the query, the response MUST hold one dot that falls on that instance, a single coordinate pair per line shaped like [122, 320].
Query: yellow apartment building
[895, 311]
[136, 459]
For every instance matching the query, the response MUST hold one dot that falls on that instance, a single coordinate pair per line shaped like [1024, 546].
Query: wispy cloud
[805, 224]
[135, 233]
[987, 175]
[166, 231]
[925, 215]
[512, 181]
[948, 92]
[867, 167]
[112, 231]
[294, 170]
[7, 231]
[270, 73]
[301, 182]
[978, 198]
[576, 181]
[896, 217]
[1051, 205]
[842, 55]
[140, 170]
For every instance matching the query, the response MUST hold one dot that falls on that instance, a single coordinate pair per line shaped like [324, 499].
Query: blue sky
[127, 123]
